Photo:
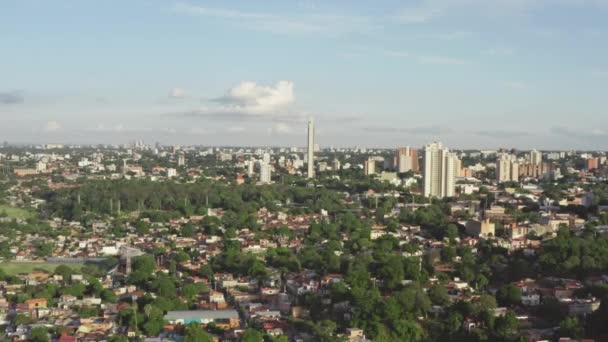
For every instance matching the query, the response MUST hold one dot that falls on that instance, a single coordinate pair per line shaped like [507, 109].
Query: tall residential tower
[507, 168]
[536, 162]
[311, 148]
[406, 160]
[439, 171]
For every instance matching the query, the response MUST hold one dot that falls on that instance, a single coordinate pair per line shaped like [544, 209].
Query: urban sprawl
[158, 242]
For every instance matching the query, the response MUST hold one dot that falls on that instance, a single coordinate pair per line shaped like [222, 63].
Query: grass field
[15, 212]
[14, 268]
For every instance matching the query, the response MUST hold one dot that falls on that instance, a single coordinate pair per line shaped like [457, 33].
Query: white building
[439, 171]
[536, 159]
[322, 166]
[507, 168]
[407, 159]
[250, 167]
[369, 167]
[311, 148]
[40, 166]
[336, 165]
[265, 173]
[171, 172]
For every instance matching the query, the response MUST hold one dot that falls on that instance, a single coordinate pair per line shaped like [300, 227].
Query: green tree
[570, 327]
[194, 333]
[506, 325]
[252, 335]
[438, 294]
[64, 271]
[21, 319]
[509, 295]
[39, 334]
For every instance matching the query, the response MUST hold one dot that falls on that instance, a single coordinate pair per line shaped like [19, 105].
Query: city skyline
[524, 74]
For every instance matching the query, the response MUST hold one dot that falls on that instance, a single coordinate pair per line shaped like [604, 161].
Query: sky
[382, 73]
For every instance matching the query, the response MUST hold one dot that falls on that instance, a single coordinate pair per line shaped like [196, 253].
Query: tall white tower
[507, 168]
[536, 159]
[440, 171]
[311, 148]
[265, 173]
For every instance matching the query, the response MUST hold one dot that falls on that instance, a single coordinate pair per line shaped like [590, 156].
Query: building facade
[310, 149]
[440, 171]
[507, 168]
[407, 160]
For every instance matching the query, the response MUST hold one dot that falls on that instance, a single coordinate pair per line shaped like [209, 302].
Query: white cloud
[177, 93]
[305, 22]
[101, 128]
[280, 128]
[418, 15]
[52, 126]
[424, 59]
[254, 99]
[441, 60]
[424, 11]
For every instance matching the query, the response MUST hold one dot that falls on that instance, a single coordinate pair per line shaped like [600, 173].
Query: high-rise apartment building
[265, 173]
[310, 148]
[536, 163]
[369, 167]
[439, 171]
[250, 167]
[592, 163]
[507, 168]
[407, 160]
[336, 165]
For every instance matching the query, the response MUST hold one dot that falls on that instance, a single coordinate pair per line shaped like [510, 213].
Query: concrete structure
[265, 173]
[226, 319]
[592, 163]
[439, 171]
[171, 172]
[482, 228]
[407, 160]
[536, 163]
[369, 167]
[250, 167]
[507, 168]
[336, 165]
[310, 149]
[530, 299]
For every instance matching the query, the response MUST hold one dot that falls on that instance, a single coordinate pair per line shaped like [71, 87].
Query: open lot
[15, 212]
[13, 268]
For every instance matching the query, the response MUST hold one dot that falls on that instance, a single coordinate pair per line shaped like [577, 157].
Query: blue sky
[471, 73]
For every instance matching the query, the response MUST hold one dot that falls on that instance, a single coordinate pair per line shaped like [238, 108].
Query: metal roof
[201, 314]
